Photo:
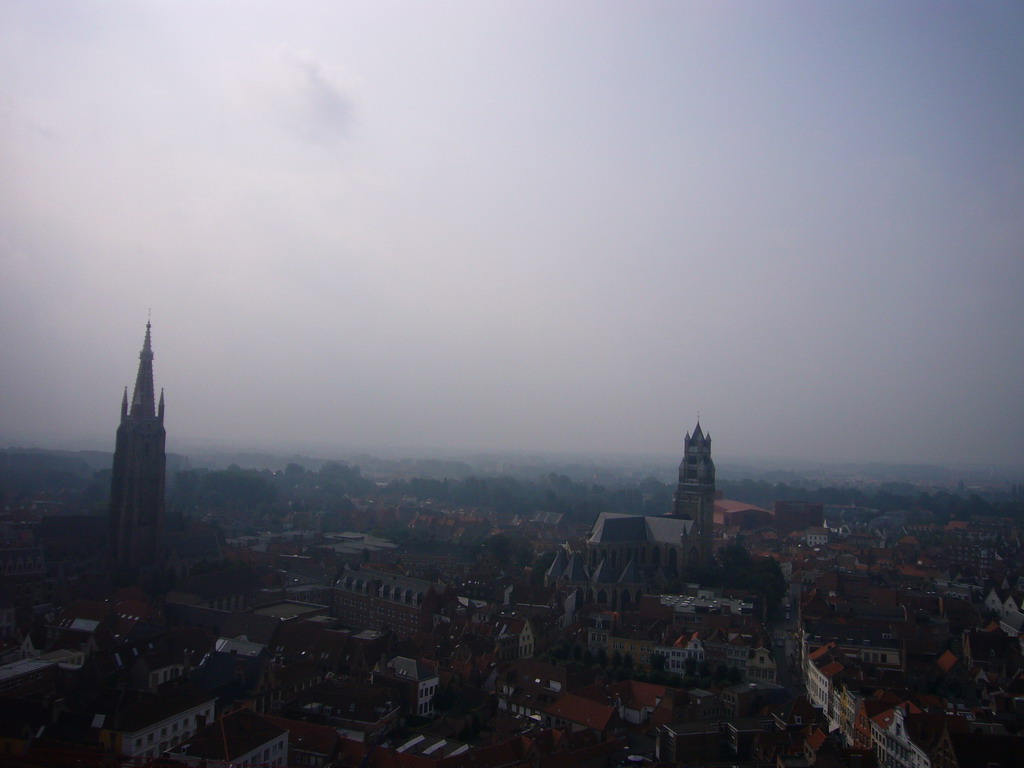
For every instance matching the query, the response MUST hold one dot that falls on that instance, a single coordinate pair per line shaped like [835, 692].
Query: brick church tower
[139, 475]
[695, 495]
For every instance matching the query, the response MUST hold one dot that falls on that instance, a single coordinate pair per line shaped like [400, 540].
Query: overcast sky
[563, 226]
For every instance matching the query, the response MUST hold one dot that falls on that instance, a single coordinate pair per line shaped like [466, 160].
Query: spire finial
[143, 405]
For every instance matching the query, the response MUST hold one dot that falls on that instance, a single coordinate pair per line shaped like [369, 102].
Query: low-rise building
[238, 739]
[416, 679]
[150, 724]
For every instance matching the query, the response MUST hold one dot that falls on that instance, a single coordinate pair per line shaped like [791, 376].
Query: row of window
[170, 730]
[428, 691]
[164, 675]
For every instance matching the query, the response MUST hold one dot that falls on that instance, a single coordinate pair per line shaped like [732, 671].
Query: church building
[139, 475]
[625, 556]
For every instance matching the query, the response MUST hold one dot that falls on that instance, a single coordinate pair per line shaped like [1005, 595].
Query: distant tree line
[942, 506]
[27, 475]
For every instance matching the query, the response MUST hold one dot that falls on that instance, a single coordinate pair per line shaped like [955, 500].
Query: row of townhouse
[749, 652]
[880, 647]
[1004, 602]
[864, 715]
[686, 651]
[622, 635]
[905, 736]
[822, 670]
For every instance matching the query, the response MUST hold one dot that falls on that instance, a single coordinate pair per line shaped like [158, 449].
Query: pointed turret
[160, 408]
[143, 401]
[630, 574]
[574, 569]
[557, 568]
[604, 573]
[124, 405]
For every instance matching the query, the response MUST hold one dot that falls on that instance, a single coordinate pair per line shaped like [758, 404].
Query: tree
[445, 699]
[500, 547]
[658, 662]
[540, 566]
[524, 556]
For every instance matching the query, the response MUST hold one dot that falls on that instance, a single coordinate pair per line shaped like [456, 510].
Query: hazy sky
[522, 225]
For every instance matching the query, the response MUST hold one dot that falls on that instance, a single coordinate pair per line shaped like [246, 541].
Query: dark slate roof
[575, 571]
[617, 528]
[614, 528]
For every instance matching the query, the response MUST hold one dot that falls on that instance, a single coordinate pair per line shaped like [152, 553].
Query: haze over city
[518, 226]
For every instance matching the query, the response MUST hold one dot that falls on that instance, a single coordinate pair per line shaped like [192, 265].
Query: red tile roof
[582, 711]
[947, 661]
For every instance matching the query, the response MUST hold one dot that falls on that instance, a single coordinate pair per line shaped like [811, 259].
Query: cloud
[306, 98]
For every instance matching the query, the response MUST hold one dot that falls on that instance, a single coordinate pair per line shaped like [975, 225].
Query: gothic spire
[143, 401]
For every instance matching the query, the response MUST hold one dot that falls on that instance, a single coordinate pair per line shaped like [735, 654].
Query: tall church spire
[143, 401]
[138, 476]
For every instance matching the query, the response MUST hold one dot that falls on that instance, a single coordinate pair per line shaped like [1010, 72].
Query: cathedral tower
[137, 483]
[695, 495]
